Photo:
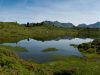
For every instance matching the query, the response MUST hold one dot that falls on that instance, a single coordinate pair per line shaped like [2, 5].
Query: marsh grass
[49, 50]
[14, 48]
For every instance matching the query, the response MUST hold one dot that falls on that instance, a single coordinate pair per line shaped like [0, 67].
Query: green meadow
[11, 64]
[12, 31]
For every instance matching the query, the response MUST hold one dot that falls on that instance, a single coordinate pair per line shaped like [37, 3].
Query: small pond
[35, 48]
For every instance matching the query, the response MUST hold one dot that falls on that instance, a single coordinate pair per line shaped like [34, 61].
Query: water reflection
[35, 48]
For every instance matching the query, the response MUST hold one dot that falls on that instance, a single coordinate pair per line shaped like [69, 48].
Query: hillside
[95, 25]
[58, 24]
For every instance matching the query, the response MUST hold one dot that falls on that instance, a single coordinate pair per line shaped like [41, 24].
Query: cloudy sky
[75, 11]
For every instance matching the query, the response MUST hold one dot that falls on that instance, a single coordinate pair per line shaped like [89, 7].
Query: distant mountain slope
[82, 25]
[58, 24]
[70, 25]
[64, 25]
[95, 25]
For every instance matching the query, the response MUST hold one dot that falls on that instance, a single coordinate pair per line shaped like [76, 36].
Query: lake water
[35, 48]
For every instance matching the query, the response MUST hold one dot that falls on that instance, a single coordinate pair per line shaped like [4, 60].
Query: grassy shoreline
[12, 64]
